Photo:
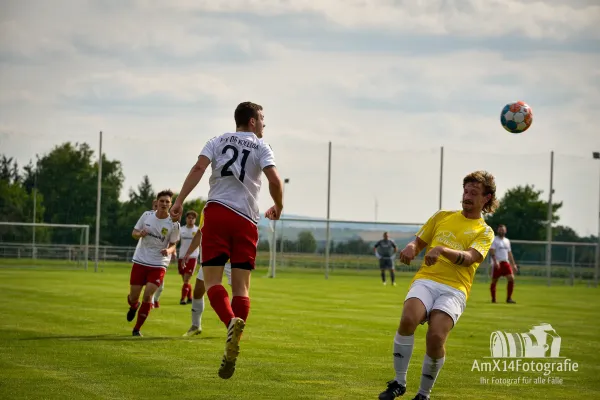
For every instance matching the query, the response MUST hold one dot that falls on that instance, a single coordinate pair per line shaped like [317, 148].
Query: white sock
[430, 371]
[159, 292]
[197, 309]
[403, 348]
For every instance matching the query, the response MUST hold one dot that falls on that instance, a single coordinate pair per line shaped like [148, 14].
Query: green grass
[63, 335]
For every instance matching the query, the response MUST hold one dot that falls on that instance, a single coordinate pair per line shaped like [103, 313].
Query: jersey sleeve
[267, 157]
[483, 242]
[139, 225]
[394, 244]
[208, 150]
[175, 233]
[377, 244]
[427, 231]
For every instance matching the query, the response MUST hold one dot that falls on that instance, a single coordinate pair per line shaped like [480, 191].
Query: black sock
[383, 276]
[393, 276]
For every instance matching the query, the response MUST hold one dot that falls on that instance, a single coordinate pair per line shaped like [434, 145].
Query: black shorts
[386, 263]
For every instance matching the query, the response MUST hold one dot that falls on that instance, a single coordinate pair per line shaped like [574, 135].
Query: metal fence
[301, 243]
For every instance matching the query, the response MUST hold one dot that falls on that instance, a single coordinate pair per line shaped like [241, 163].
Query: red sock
[142, 315]
[509, 289]
[241, 307]
[493, 290]
[136, 305]
[219, 301]
[185, 290]
[190, 291]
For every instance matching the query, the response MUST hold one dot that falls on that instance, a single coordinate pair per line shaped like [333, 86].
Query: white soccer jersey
[187, 234]
[502, 247]
[161, 232]
[237, 162]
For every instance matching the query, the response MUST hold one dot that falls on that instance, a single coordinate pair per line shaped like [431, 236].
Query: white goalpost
[21, 249]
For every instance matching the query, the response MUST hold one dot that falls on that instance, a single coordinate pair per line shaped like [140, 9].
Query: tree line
[64, 184]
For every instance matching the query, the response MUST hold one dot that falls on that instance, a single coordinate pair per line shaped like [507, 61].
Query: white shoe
[232, 348]
[384, 283]
[193, 331]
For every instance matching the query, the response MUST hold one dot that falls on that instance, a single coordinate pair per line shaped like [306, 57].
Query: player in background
[385, 251]
[199, 287]
[157, 235]
[188, 266]
[160, 289]
[456, 242]
[231, 216]
[503, 264]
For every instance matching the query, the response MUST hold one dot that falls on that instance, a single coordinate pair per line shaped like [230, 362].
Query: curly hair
[488, 182]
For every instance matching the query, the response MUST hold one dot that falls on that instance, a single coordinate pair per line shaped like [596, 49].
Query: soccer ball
[516, 117]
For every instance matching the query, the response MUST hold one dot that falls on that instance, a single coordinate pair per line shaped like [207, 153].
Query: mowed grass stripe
[63, 334]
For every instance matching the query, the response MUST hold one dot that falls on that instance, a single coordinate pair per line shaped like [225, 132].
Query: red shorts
[187, 268]
[503, 269]
[228, 235]
[141, 275]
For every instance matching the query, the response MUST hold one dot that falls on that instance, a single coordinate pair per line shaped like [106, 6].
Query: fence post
[573, 265]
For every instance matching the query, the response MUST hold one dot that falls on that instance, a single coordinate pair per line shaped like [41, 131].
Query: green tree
[16, 205]
[306, 242]
[523, 213]
[67, 177]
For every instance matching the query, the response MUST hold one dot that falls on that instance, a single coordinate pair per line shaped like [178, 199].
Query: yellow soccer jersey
[453, 230]
[201, 224]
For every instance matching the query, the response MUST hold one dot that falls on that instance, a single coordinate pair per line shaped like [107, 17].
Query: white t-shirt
[501, 247]
[161, 232]
[238, 160]
[187, 234]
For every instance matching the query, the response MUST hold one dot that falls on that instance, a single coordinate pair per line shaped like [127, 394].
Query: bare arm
[136, 234]
[493, 256]
[275, 185]
[462, 258]
[418, 245]
[194, 244]
[512, 260]
[193, 178]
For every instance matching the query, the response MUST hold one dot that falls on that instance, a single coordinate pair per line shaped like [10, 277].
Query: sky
[387, 82]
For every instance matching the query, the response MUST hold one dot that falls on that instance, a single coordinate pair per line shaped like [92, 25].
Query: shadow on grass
[118, 338]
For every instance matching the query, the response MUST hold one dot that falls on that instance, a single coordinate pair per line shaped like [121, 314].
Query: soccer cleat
[131, 313]
[394, 389]
[419, 396]
[156, 305]
[136, 333]
[189, 301]
[232, 348]
[194, 330]
[511, 301]
[394, 284]
[384, 283]
[182, 302]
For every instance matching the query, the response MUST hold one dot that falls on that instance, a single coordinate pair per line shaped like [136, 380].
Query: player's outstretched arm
[276, 191]
[191, 181]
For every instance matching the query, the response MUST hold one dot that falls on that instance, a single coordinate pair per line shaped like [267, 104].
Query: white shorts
[227, 273]
[437, 296]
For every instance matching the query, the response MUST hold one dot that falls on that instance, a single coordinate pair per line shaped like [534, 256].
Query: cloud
[388, 82]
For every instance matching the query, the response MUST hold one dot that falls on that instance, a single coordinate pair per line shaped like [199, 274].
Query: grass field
[64, 336]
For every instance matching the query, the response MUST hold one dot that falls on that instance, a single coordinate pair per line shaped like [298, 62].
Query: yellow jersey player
[456, 242]
[199, 287]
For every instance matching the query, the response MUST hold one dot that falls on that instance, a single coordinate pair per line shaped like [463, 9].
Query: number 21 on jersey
[235, 154]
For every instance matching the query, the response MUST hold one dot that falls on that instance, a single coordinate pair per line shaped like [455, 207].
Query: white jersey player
[157, 235]
[231, 216]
